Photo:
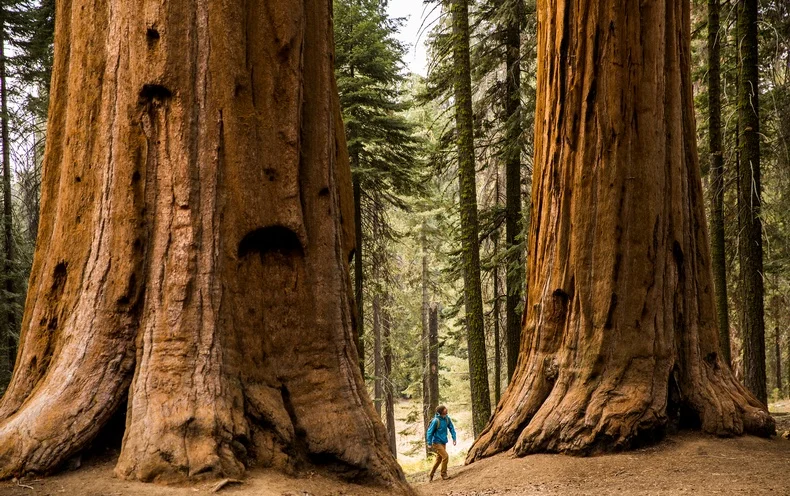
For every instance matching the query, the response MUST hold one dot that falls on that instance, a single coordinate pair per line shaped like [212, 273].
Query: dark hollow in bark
[198, 270]
[620, 338]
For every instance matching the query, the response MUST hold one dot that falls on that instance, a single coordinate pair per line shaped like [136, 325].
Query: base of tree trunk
[574, 415]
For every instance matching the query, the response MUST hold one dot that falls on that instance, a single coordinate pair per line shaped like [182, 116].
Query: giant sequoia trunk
[192, 258]
[620, 339]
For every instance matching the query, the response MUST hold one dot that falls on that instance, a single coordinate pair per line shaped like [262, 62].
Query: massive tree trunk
[620, 339]
[473, 298]
[8, 232]
[514, 216]
[193, 253]
[750, 241]
[718, 253]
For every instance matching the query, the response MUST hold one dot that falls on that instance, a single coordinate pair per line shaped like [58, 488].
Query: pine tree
[382, 148]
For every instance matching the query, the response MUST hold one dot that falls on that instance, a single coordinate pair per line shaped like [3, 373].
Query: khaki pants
[441, 458]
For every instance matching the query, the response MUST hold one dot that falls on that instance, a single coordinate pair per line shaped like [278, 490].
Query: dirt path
[685, 464]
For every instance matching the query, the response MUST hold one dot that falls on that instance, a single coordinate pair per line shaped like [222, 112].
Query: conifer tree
[382, 148]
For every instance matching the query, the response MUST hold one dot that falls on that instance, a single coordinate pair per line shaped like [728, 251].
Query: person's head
[441, 410]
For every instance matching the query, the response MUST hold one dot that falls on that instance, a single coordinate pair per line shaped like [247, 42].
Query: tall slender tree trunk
[621, 339]
[514, 216]
[473, 298]
[195, 149]
[495, 311]
[378, 365]
[433, 357]
[426, 373]
[389, 396]
[718, 252]
[750, 244]
[497, 344]
[359, 272]
[8, 232]
[778, 358]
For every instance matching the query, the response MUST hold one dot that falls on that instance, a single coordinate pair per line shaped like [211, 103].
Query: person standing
[436, 437]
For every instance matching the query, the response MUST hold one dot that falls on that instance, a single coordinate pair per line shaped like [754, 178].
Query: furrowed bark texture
[196, 230]
[620, 339]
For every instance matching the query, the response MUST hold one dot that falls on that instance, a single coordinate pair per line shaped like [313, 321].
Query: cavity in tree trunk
[8, 339]
[750, 243]
[513, 213]
[359, 273]
[194, 150]
[718, 253]
[473, 298]
[621, 339]
[389, 399]
[378, 366]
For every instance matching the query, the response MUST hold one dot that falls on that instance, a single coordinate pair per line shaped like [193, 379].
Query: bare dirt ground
[96, 479]
[683, 464]
[687, 463]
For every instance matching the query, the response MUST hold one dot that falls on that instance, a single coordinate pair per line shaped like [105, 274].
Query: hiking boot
[445, 477]
[430, 477]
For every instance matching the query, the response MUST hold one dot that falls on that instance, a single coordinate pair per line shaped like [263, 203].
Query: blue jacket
[437, 430]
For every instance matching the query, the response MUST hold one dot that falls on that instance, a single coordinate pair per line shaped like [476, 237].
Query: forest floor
[687, 463]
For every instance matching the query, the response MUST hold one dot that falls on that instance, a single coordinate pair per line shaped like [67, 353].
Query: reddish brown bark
[196, 229]
[620, 339]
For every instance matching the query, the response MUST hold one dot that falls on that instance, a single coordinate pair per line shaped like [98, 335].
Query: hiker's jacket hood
[437, 431]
